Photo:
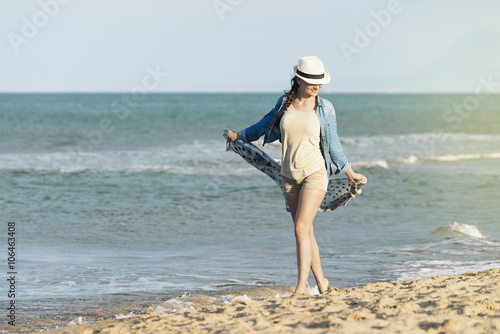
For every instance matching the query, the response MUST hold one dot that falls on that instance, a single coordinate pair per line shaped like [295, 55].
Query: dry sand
[468, 303]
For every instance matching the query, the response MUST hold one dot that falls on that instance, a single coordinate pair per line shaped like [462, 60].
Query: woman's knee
[302, 230]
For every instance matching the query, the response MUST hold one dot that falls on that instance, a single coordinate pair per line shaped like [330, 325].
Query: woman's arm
[337, 153]
[335, 149]
[258, 129]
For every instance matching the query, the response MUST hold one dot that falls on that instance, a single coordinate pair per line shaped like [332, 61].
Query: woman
[306, 126]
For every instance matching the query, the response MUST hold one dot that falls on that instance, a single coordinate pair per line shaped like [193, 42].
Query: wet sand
[467, 303]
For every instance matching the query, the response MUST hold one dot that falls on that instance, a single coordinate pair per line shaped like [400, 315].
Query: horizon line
[254, 92]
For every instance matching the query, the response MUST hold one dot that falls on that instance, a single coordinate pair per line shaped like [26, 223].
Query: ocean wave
[431, 268]
[415, 159]
[386, 163]
[181, 303]
[467, 230]
[189, 301]
[373, 164]
[165, 162]
[417, 138]
[462, 229]
[78, 321]
[126, 316]
[210, 158]
[386, 151]
[190, 158]
[459, 157]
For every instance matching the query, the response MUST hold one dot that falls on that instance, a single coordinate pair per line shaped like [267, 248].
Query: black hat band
[310, 76]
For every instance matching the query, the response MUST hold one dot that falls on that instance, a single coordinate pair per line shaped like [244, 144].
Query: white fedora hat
[311, 70]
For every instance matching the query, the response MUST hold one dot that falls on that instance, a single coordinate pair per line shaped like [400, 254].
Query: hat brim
[325, 80]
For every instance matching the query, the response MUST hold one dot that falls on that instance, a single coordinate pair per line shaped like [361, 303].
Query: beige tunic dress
[300, 137]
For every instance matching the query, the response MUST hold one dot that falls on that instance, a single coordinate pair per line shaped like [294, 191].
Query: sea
[123, 204]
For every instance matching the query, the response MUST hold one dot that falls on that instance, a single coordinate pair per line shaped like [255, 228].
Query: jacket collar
[320, 101]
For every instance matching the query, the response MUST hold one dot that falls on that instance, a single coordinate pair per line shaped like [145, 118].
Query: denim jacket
[329, 140]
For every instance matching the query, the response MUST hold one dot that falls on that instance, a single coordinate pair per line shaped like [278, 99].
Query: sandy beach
[466, 303]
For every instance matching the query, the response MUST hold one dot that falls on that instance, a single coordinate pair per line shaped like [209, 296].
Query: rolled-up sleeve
[257, 130]
[336, 151]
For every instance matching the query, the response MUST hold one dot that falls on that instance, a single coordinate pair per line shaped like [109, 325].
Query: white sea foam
[229, 299]
[411, 160]
[459, 157]
[414, 159]
[312, 290]
[187, 302]
[430, 268]
[466, 229]
[78, 321]
[377, 163]
[190, 301]
[417, 138]
[126, 316]
[387, 151]
[194, 158]
[174, 305]
[209, 157]
[386, 163]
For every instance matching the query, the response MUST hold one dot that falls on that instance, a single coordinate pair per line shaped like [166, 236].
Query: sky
[248, 45]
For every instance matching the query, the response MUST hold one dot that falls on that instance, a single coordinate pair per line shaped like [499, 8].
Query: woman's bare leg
[303, 207]
[321, 280]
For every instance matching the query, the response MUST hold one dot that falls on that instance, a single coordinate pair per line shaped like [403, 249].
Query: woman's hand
[233, 136]
[355, 177]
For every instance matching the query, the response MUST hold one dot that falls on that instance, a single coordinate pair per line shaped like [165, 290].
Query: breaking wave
[209, 157]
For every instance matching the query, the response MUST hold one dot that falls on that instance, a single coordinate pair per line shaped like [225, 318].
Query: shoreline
[469, 303]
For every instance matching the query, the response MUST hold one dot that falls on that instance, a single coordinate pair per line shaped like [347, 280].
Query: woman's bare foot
[299, 292]
[323, 286]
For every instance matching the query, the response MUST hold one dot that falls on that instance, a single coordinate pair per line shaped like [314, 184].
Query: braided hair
[289, 97]
[292, 93]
